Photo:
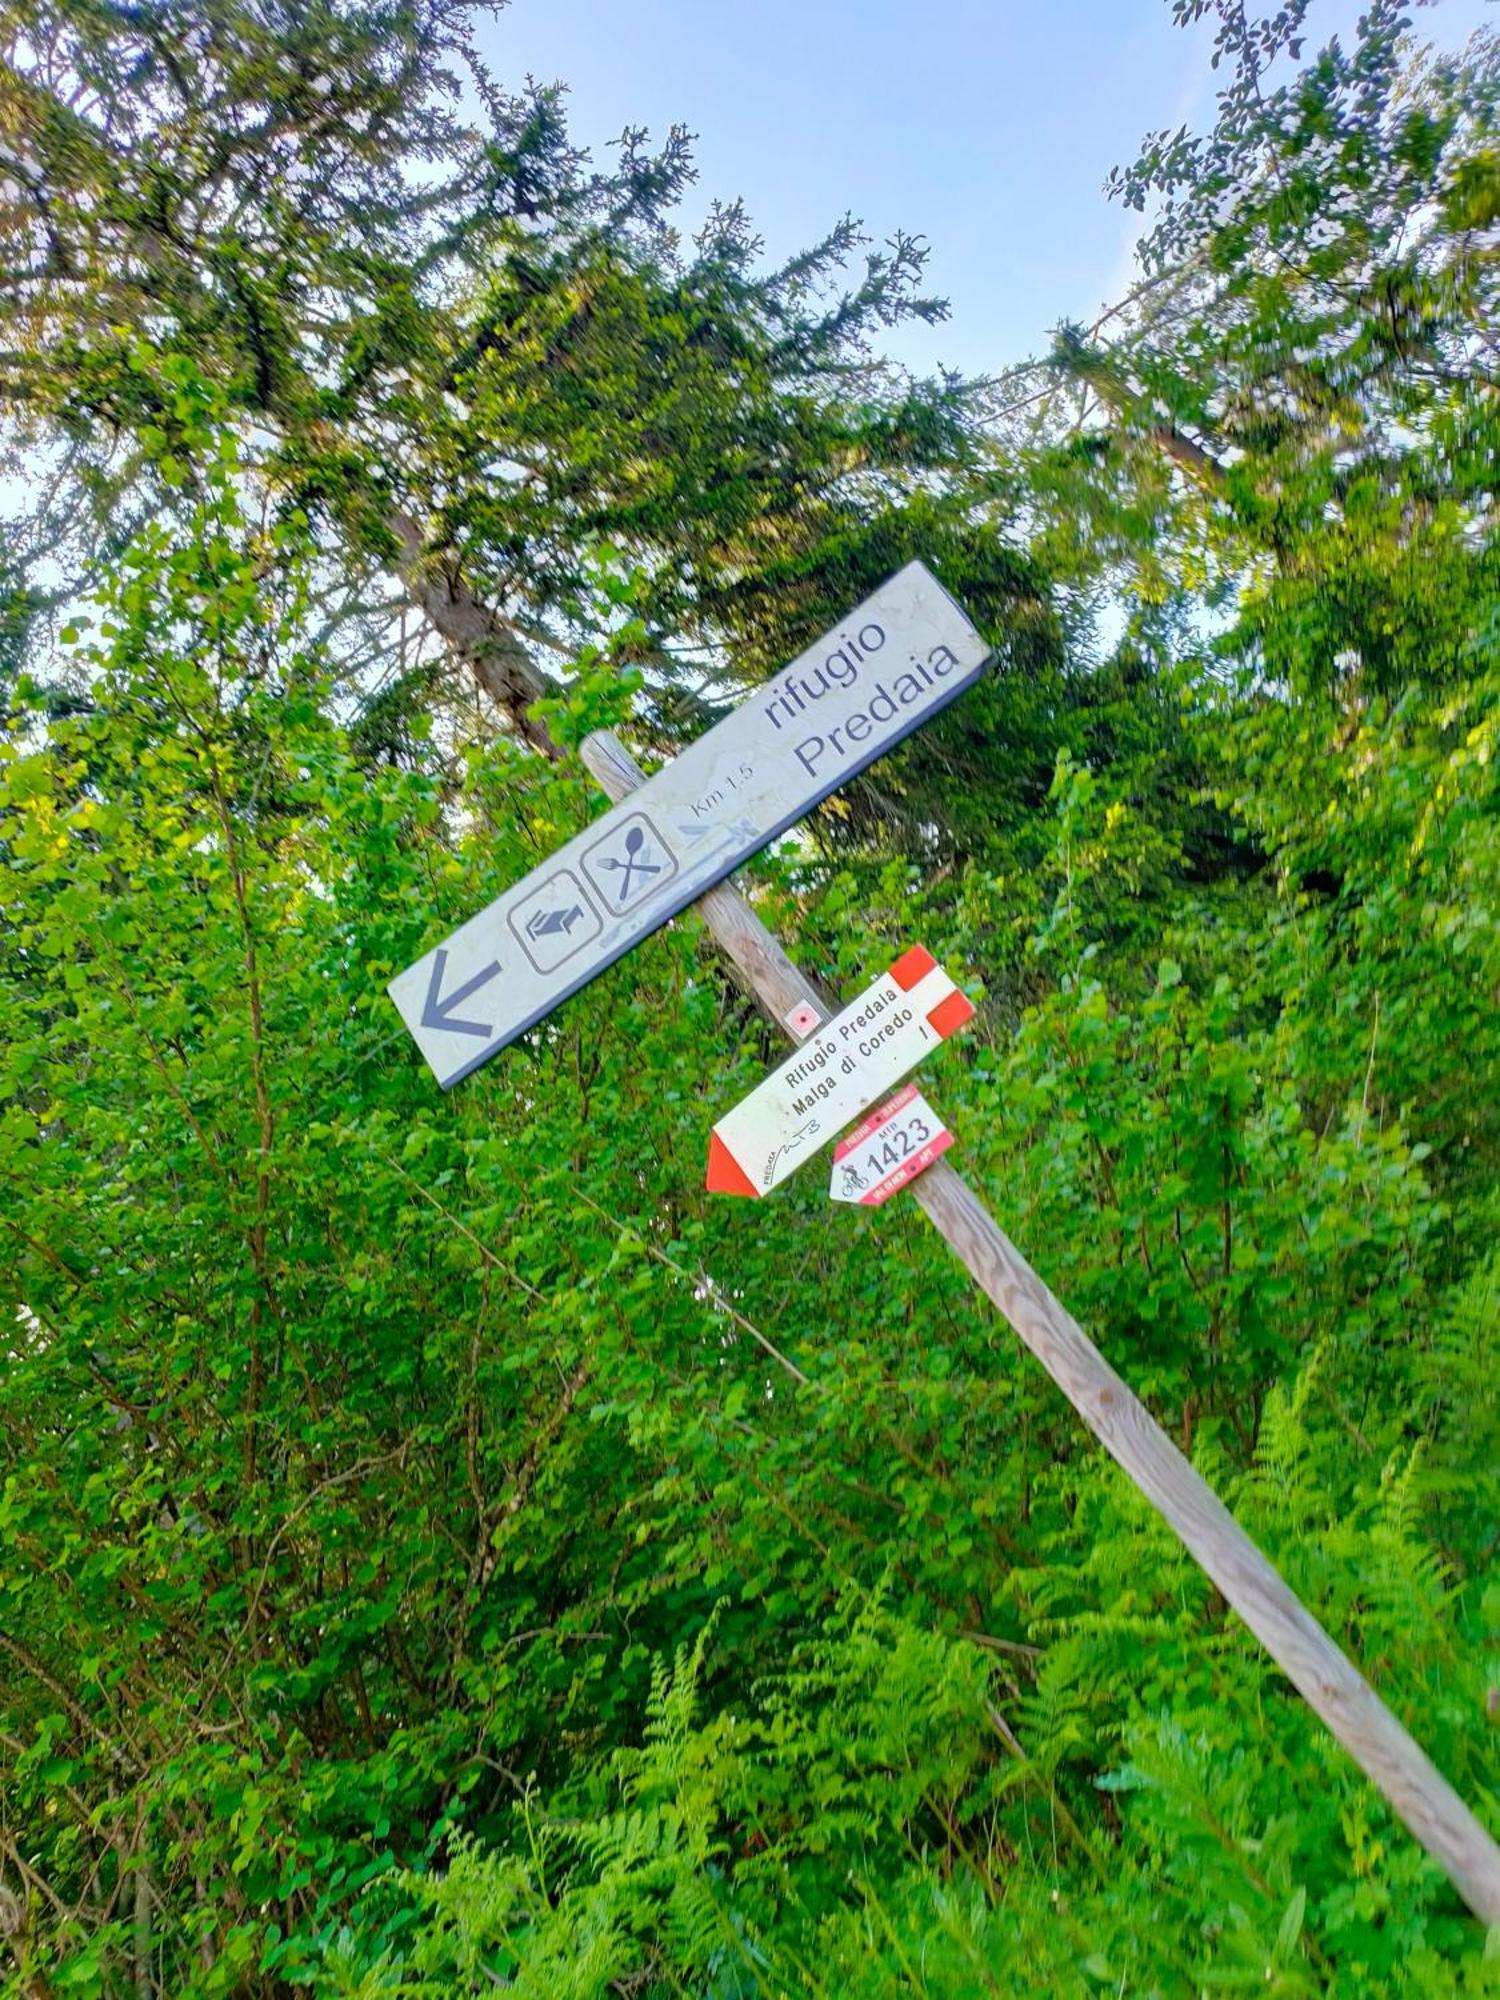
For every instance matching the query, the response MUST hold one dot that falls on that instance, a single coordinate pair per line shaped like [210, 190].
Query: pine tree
[471, 355]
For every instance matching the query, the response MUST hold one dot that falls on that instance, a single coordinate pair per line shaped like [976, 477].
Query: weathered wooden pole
[1414, 1787]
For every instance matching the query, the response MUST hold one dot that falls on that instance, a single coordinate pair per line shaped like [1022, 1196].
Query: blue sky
[986, 125]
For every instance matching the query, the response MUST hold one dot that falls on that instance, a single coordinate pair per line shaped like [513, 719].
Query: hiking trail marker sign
[891, 1147]
[892, 664]
[841, 1068]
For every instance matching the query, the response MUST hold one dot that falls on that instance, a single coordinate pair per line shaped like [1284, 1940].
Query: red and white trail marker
[894, 1144]
[839, 1070]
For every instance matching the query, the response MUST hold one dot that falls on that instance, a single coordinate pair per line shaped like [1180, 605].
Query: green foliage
[441, 1548]
[1296, 406]
[526, 359]
[368, 1455]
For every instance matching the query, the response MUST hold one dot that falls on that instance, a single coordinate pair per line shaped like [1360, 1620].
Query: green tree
[468, 355]
[1297, 405]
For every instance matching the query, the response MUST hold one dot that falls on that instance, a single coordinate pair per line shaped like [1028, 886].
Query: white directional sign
[891, 664]
[898, 1140]
[841, 1067]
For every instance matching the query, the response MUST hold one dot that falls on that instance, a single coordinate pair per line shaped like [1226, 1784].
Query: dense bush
[441, 1549]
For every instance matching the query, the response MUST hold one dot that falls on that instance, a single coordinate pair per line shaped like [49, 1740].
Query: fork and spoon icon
[631, 865]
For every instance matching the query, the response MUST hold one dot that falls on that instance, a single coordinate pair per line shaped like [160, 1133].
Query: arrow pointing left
[438, 1010]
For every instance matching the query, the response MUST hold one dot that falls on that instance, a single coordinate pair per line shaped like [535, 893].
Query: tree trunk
[145, 1985]
[501, 664]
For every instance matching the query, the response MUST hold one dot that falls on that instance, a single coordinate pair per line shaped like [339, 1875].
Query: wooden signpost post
[1372, 1735]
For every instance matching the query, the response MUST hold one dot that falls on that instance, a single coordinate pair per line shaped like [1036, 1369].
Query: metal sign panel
[898, 1141]
[892, 664]
[840, 1069]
